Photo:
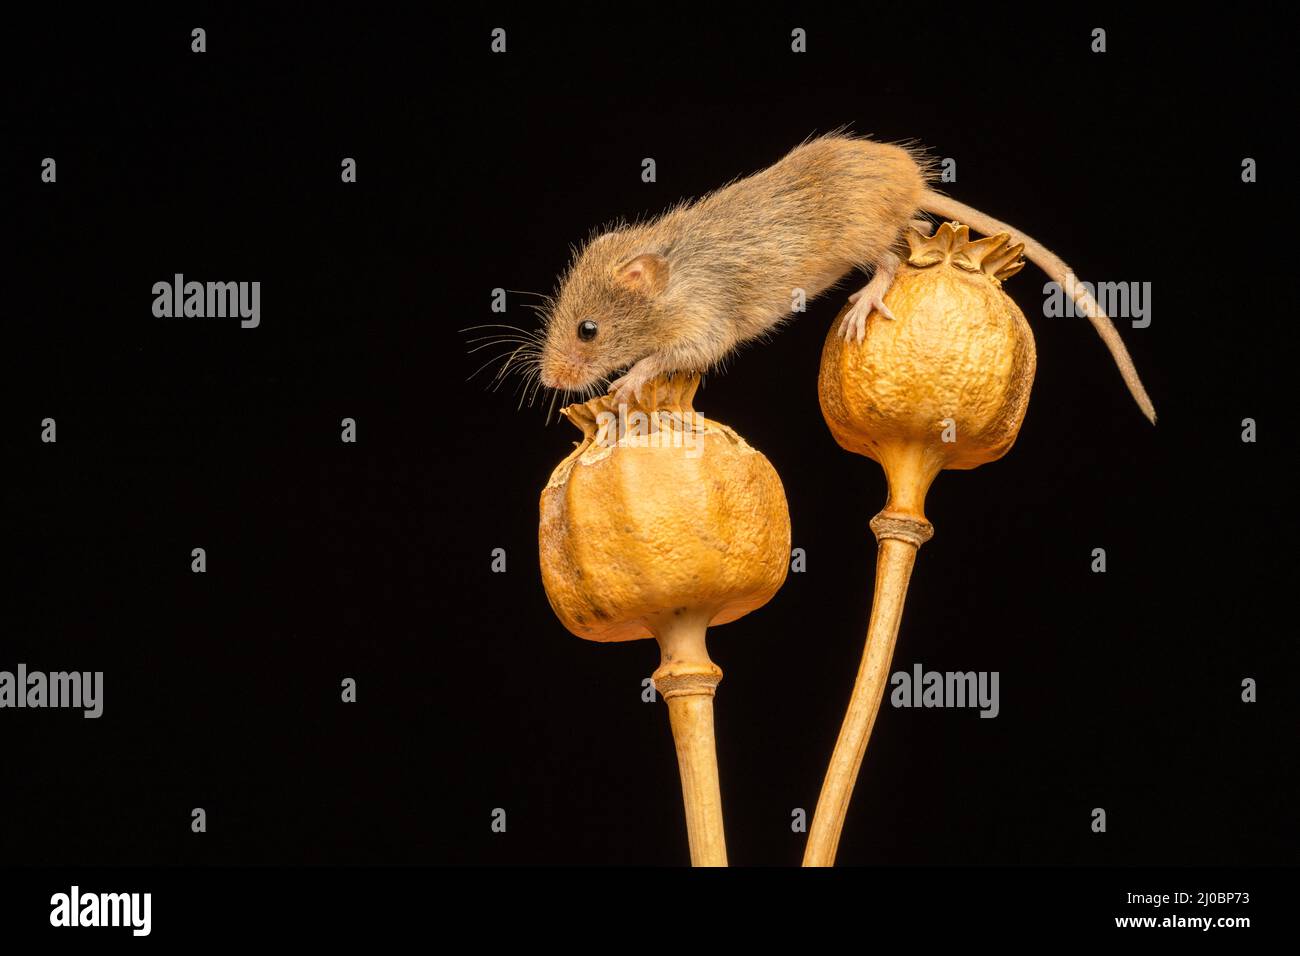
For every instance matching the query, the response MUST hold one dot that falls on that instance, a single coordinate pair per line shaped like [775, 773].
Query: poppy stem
[687, 679]
[900, 536]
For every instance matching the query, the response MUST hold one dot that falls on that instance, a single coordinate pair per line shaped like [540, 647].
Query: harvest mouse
[681, 292]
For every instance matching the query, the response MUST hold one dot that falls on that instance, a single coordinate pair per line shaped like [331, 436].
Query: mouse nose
[562, 371]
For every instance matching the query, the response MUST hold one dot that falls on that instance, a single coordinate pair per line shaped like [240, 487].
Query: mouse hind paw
[870, 298]
[853, 327]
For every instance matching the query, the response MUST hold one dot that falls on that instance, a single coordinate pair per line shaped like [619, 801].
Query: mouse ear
[647, 273]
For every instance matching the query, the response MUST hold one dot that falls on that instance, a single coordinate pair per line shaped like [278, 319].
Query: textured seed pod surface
[636, 523]
[951, 374]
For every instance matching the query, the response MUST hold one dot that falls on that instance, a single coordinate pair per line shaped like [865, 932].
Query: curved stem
[686, 679]
[900, 537]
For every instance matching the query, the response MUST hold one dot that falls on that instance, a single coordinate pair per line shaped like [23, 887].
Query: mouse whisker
[524, 392]
[537, 384]
[495, 358]
[504, 371]
[506, 345]
[514, 334]
[495, 342]
[540, 295]
[495, 325]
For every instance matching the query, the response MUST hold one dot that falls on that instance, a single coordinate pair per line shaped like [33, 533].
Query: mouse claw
[628, 388]
[854, 326]
[620, 391]
[870, 298]
[848, 325]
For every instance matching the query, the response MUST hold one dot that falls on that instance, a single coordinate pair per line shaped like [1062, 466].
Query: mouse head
[608, 312]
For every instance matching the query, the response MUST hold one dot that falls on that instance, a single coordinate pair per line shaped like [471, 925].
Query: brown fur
[723, 270]
[734, 258]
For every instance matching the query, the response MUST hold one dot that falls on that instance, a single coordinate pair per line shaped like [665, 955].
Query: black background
[373, 561]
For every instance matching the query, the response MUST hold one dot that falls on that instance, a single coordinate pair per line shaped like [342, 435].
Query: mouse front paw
[628, 388]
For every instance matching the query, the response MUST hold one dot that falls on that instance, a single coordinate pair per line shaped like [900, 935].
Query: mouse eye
[587, 330]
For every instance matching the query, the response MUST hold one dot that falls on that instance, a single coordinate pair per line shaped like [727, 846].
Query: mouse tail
[1051, 264]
